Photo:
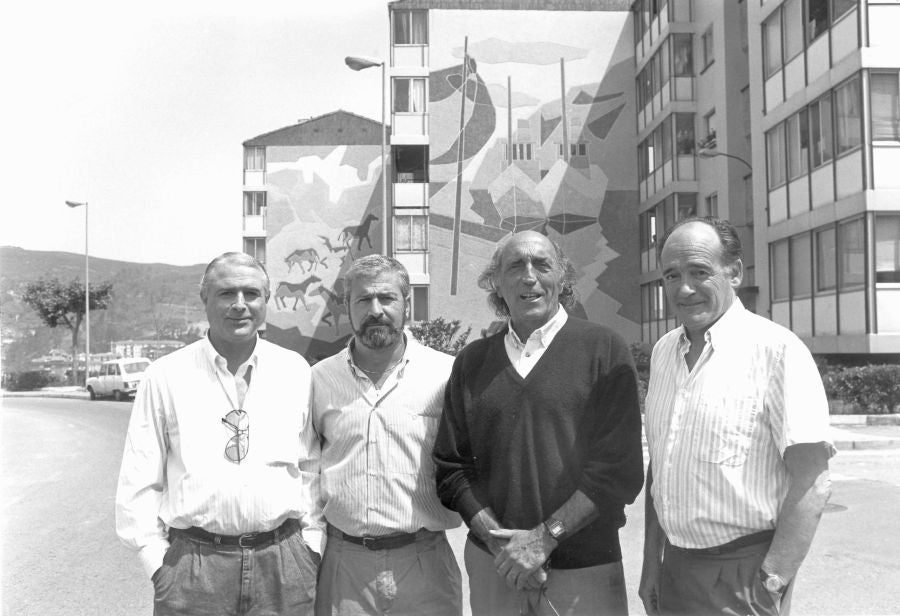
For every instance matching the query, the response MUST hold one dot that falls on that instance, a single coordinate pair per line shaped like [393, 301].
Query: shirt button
[527, 354]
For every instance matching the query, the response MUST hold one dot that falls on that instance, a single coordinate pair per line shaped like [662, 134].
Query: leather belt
[763, 536]
[247, 540]
[384, 542]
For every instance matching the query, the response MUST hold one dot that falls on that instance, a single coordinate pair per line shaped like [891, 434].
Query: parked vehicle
[118, 378]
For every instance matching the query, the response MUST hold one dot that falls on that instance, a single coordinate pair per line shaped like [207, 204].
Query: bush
[438, 334]
[874, 388]
[29, 380]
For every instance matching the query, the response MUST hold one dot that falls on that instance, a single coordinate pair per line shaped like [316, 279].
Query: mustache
[376, 321]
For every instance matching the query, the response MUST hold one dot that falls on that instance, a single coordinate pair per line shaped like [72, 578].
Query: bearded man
[376, 407]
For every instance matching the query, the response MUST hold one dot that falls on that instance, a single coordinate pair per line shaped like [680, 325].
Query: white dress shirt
[524, 355]
[717, 434]
[377, 472]
[174, 470]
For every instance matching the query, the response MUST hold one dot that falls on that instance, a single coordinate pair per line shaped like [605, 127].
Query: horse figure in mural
[359, 232]
[304, 255]
[331, 248]
[295, 290]
[334, 306]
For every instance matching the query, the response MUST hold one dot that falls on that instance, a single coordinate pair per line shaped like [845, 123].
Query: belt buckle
[369, 540]
[250, 537]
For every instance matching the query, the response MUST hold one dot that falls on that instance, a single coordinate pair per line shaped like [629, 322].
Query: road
[61, 557]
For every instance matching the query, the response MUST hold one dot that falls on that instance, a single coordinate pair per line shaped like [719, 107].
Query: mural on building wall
[324, 207]
[531, 126]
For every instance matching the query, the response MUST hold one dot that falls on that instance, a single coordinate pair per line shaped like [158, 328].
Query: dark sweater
[524, 446]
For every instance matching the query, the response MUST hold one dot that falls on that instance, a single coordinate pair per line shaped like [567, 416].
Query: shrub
[874, 388]
[438, 334]
[28, 380]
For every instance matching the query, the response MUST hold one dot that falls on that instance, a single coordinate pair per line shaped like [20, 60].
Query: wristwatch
[773, 583]
[556, 528]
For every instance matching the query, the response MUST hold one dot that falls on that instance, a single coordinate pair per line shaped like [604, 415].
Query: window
[712, 205]
[254, 203]
[779, 264]
[816, 18]
[792, 29]
[410, 233]
[847, 116]
[798, 145]
[775, 153]
[708, 49]
[410, 27]
[409, 95]
[522, 151]
[687, 205]
[410, 163]
[683, 55]
[684, 133]
[820, 131]
[801, 266]
[839, 7]
[887, 247]
[419, 308]
[256, 247]
[709, 123]
[771, 36]
[826, 274]
[885, 107]
[851, 254]
[254, 159]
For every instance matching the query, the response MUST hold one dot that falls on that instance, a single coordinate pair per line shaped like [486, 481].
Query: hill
[150, 300]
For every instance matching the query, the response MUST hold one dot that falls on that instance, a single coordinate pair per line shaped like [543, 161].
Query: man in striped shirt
[737, 426]
[376, 407]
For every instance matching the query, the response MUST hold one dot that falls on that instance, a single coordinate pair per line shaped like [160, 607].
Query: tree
[438, 334]
[59, 303]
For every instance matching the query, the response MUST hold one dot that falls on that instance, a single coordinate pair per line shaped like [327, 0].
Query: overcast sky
[141, 109]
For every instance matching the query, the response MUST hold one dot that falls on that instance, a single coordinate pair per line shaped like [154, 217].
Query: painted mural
[324, 204]
[531, 126]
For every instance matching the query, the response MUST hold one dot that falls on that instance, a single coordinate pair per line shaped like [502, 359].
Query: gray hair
[487, 278]
[371, 266]
[236, 258]
[728, 235]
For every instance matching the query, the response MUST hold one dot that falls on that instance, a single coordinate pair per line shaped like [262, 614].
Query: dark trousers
[200, 578]
[697, 584]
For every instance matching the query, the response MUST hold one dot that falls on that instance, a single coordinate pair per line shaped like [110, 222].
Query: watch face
[556, 528]
[774, 584]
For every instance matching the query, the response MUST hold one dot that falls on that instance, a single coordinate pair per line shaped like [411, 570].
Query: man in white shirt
[220, 470]
[376, 407]
[737, 429]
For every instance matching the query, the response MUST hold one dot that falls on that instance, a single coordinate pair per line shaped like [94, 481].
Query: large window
[851, 254]
[410, 163]
[256, 247]
[820, 131]
[847, 116]
[410, 233]
[410, 27]
[798, 145]
[885, 107]
[826, 273]
[775, 153]
[887, 247]
[254, 203]
[839, 7]
[801, 266]
[792, 29]
[254, 159]
[409, 95]
[772, 44]
[684, 133]
[816, 18]
[779, 265]
[683, 55]
[419, 303]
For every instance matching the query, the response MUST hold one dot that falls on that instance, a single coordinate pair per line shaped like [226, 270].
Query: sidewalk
[848, 432]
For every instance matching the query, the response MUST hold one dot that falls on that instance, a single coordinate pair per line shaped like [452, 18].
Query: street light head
[75, 203]
[358, 63]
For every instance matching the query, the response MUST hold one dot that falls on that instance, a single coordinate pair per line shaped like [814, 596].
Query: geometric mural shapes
[496, 51]
[483, 205]
[548, 125]
[518, 203]
[500, 95]
[567, 223]
[434, 188]
[445, 82]
[601, 126]
[360, 159]
[473, 229]
[525, 195]
[515, 224]
[571, 192]
[479, 127]
[583, 98]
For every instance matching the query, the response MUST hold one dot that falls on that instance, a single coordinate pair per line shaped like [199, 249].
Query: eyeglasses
[238, 445]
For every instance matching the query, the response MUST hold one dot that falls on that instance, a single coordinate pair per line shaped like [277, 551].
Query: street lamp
[87, 293]
[358, 64]
[705, 152]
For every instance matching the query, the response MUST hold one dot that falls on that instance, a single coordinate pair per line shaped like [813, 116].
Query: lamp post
[358, 64]
[87, 293]
[705, 152]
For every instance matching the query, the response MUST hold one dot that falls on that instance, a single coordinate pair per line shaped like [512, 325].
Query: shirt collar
[216, 360]
[543, 335]
[728, 325]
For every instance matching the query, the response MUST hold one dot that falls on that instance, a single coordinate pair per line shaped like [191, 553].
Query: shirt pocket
[731, 422]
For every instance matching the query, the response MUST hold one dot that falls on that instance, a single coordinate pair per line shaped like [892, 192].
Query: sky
[141, 111]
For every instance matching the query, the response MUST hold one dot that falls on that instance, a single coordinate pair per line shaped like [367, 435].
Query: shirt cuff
[152, 556]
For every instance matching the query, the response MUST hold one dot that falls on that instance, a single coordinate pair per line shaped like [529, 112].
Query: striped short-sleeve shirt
[717, 434]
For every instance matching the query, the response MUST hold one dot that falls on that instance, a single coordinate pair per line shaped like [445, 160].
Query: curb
[867, 444]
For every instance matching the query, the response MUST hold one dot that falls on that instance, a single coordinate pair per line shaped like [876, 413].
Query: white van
[118, 378]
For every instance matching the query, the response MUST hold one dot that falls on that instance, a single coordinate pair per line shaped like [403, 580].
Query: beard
[378, 333]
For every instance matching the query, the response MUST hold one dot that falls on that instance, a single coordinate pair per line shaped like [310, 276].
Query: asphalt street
[60, 554]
